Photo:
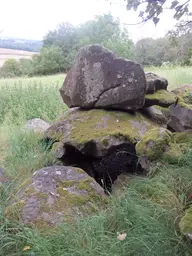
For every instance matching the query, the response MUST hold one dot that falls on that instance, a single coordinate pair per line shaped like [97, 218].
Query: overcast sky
[32, 19]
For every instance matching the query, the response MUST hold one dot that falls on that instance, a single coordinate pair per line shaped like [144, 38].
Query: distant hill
[21, 44]
[6, 54]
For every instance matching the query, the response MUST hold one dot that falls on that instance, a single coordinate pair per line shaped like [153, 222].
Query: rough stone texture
[186, 224]
[185, 92]
[37, 125]
[100, 142]
[180, 116]
[160, 144]
[55, 194]
[154, 82]
[95, 132]
[157, 115]
[100, 79]
[161, 98]
[152, 146]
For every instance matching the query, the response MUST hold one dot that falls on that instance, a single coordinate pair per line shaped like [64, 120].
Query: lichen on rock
[100, 79]
[100, 142]
[94, 131]
[54, 195]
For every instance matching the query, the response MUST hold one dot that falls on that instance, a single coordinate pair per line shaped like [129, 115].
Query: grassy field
[6, 54]
[148, 212]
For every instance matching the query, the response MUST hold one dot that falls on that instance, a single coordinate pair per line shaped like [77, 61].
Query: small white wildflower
[122, 236]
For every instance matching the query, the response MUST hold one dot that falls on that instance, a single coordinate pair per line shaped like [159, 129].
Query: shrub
[10, 68]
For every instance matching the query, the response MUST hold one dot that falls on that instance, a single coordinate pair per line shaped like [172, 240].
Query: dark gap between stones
[105, 170]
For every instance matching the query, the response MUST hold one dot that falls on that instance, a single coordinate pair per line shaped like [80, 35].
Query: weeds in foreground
[20, 103]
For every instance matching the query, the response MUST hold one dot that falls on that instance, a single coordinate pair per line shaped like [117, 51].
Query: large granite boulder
[100, 142]
[154, 82]
[94, 132]
[54, 195]
[100, 79]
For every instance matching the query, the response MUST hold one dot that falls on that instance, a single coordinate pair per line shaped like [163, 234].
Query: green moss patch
[161, 98]
[154, 143]
[183, 104]
[66, 200]
[80, 126]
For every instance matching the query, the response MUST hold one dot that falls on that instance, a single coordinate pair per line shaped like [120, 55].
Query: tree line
[61, 45]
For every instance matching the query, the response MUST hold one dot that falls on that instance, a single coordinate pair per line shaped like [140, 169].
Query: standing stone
[100, 79]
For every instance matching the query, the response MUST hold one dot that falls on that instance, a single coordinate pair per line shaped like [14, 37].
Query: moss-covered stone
[160, 144]
[182, 137]
[161, 98]
[179, 145]
[157, 115]
[186, 223]
[153, 144]
[55, 195]
[182, 103]
[164, 110]
[175, 152]
[180, 116]
[80, 128]
[185, 93]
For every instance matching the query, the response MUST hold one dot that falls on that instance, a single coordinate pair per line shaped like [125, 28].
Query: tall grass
[23, 102]
[148, 211]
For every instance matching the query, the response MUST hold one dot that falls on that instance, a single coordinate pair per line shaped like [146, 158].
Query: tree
[154, 52]
[152, 9]
[26, 67]
[10, 68]
[181, 39]
[49, 61]
[107, 31]
[66, 38]
[104, 30]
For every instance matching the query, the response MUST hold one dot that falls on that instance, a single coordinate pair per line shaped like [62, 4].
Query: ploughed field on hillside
[6, 54]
